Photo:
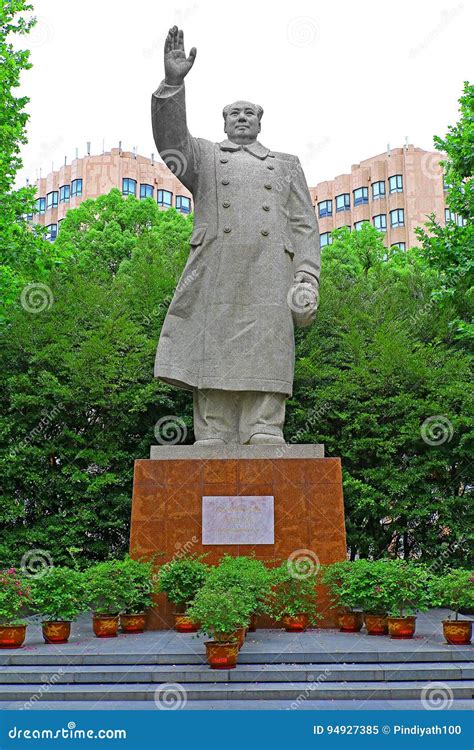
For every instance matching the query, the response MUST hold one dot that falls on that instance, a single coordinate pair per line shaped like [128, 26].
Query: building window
[129, 186]
[40, 205]
[164, 198]
[325, 208]
[52, 231]
[358, 224]
[361, 196]
[146, 191]
[52, 199]
[343, 202]
[325, 239]
[76, 188]
[397, 218]
[399, 245]
[378, 190]
[380, 222]
[64, 193]
[183, 204]
[395, 183]
[451, 216]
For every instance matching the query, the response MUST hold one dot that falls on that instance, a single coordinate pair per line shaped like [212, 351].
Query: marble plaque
[240, 519]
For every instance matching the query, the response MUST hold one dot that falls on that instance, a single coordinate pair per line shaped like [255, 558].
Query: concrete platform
[167, 452]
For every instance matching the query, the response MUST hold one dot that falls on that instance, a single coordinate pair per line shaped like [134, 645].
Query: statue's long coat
[229, 325]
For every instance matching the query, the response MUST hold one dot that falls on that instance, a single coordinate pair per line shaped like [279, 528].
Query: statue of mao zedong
[252, 273]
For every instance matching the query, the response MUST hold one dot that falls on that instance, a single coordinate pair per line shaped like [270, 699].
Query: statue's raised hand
[177, 65]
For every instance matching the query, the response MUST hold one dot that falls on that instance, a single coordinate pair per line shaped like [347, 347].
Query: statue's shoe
[209, 441]
[262, 439]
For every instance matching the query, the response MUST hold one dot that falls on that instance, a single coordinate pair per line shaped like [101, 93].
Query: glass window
[343, 202]
[378, 190]
[395, 183]
[397, 218]
[51, 232]
[52, 199]
[358, 224]
[164, 198]
[361, 196]
[183, 204]
[380, 222]
[40, 205]
[76, 188]
[129, 186]
[64, 193]
[399, 245]
[451, 216]
[325, 239]
[146, 191]
[325, 208]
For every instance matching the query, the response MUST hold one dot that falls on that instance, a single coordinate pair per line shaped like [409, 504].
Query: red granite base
[309, 513]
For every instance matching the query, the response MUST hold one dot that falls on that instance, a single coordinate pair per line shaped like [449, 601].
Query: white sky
[338, 80]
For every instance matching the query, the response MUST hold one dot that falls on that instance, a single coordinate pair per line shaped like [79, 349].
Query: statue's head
[242, 121]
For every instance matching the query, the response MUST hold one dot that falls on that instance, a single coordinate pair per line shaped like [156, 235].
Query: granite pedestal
[168, 493]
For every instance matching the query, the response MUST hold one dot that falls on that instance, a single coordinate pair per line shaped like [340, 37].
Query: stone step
[255, 673]
[297, 691]
[194, 653]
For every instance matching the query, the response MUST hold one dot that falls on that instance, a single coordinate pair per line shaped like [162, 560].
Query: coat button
[266, 207]
[226, 204]
[225, 182]
[227, 230]
[224, 161]
[270, 166]
[267, 186]
[265, 232]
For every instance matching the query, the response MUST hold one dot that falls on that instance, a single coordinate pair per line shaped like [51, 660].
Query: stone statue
[252, 273]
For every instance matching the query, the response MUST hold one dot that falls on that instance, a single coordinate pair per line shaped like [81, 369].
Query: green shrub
[340, 578]
[15, 594]
[454, 590]
[59, 595]
[221, 610]
[181, 579]
[246, 573]
[137, 585]
[293, 593]
[106, 587]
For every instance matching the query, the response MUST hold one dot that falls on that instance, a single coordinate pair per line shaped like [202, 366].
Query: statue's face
[241, 123]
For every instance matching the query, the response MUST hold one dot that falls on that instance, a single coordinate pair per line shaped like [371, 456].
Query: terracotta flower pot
[12, 636]
[376, 624]
[184, 624]
[133, 623]
[253, 624]
[222, 655]
[296, 624]
[401, 627]
[57, 631]
[240, 633]
[105, 626]
[457, 632]
[350, 622]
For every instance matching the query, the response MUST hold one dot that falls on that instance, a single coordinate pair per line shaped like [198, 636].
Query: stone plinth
[308, 508]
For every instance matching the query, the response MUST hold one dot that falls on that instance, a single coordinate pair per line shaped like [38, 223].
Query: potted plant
[137, 587]
[247, 573]
[14, 595]
[221, 614]
[181, 579]
[368, 586]
[341, 580]
[59, 597]
[105, 593]
[455, 591]
[293, 597]
[407, 587]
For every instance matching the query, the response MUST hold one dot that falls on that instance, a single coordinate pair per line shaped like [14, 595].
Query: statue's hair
[259, 109]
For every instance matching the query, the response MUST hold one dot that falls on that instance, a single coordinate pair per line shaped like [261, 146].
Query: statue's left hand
[303, 299]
